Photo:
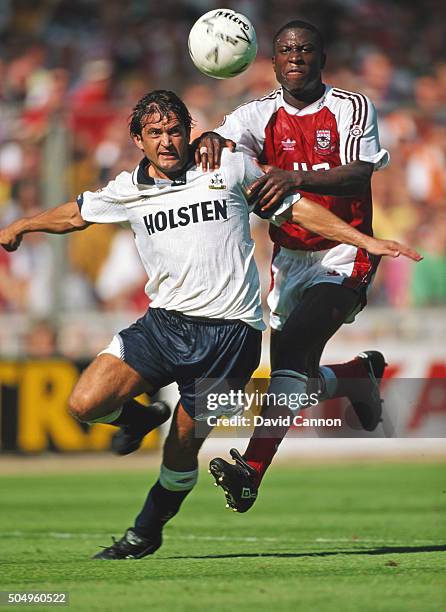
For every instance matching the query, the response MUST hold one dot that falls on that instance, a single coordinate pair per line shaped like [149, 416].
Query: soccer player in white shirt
[203, 328]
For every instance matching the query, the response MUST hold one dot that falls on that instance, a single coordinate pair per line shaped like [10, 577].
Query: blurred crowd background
[71, 70]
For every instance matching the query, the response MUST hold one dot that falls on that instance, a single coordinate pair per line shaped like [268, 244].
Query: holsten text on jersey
[192, 213]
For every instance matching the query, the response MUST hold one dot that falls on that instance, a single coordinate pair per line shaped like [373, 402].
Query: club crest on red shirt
[324, 144]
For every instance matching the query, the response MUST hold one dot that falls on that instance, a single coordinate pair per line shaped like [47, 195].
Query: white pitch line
[56, 535]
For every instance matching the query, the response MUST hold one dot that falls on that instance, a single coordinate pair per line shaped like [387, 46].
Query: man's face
[298, 60]
[165, 142]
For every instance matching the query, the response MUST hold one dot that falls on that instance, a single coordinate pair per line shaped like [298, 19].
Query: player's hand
[208, 148]
[391, 248]
[10, 239]
[272, 187]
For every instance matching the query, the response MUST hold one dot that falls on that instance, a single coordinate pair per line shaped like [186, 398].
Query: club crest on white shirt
[217, 181]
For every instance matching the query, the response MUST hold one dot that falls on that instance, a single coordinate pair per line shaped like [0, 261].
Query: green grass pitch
[362, 537]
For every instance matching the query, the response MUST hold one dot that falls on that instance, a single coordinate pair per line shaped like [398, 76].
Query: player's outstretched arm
[208, 149]
[60, 220]
[319, 220]
[348, 180]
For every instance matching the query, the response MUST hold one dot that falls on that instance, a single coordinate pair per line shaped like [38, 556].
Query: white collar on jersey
[141, 175]
[307, 110]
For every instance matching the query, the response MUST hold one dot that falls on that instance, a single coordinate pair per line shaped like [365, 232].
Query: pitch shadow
[384, 550]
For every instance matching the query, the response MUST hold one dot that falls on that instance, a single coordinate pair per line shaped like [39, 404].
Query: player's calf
[365, 397]
[103, 388]
[359, 380]
[104, 394]
[167, 494]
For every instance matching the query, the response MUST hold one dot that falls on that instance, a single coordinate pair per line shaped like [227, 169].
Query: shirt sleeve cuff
[380, 160]
[278, 218]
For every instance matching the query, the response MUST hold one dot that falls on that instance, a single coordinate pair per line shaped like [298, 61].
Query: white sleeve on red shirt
[358, 130]
[238, 127]
[246, 124]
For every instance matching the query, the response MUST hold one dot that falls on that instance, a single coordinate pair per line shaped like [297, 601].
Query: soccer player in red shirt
[321, 141]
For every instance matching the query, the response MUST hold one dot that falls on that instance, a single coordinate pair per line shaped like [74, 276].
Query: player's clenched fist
[10, 238]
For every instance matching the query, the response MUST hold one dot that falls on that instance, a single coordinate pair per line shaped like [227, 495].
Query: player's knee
[81, 404]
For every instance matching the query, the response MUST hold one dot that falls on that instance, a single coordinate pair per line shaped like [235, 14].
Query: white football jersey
[192, 235]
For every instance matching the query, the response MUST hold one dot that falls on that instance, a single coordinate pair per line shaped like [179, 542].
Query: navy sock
[134, 414]
[160, 506]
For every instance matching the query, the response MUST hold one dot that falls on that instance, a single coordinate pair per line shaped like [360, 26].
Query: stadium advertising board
[34, 417]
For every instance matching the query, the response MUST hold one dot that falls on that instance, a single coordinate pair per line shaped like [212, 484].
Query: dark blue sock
[160, 506]
[136, 415]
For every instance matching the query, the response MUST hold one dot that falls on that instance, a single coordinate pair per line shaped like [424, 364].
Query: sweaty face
[298, 60]
[165, 142]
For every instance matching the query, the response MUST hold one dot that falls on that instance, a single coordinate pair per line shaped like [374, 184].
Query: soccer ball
[222, 43]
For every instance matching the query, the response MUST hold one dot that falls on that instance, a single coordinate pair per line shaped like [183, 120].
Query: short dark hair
[159, 101]
[298, 24]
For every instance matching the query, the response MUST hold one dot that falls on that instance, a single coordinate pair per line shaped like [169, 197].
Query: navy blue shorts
[200, 355]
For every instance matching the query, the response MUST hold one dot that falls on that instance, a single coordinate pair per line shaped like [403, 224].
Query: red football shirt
[339, 128]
